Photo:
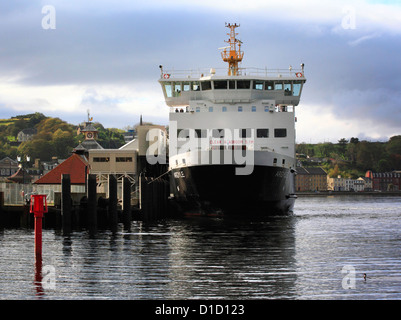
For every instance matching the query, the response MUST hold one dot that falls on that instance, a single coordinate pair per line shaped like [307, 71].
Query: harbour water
[321, 251]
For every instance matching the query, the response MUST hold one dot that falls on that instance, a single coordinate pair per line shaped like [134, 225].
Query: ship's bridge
[284, 86]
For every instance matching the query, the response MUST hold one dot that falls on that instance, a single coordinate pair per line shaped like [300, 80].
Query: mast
[232, 56]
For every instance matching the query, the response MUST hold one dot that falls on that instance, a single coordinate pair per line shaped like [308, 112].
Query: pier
[94, 211]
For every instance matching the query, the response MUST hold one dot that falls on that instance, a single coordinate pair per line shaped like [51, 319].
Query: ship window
[266, 108]
[278, 86]
[183, 133]
[280, 133]
[224, 109]
[253, 108]
[101, 159]
[231, 84]
[197, 109]
[210, 109]
[243, 84]
[177, 89]
[168, 88]
[186, 86]
[287, 89]
[269, 85]
[262, 133]
[200, 133]
[245, 133]
[123, 159]
[218, 133]
[206, 85]
[258, 85]
[296, 88]
[239, 109]
[195, 86]
[220, 84]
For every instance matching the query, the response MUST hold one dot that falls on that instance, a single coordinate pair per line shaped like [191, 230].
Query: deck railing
[256, 72]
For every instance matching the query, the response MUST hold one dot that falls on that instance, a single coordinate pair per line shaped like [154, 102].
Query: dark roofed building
[90, 142]
[21, 176]
[311, 179]
[8, 167]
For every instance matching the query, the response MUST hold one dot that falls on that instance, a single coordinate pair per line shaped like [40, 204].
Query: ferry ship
[232, 136]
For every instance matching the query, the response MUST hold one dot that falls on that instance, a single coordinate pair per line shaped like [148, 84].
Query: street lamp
[20, 165]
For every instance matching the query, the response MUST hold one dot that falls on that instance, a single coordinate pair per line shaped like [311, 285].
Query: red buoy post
[38, 208]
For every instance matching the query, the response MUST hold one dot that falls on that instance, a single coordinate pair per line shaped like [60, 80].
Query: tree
[63, 143]
[334, 173]
[383, 165]
[342, 143]
[354, 140]
[393, 148]
[37, 149]
[368, 155]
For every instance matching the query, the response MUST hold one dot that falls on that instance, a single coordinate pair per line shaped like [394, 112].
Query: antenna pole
[232, 56]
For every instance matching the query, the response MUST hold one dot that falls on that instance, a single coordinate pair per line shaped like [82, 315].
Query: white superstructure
[248, 115]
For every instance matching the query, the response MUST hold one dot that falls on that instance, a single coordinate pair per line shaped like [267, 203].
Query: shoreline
[348, 193]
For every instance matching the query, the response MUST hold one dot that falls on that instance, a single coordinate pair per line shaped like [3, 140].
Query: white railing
[205, 72]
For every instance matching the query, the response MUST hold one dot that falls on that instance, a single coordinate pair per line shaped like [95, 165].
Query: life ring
[166, 76]
[298, 74]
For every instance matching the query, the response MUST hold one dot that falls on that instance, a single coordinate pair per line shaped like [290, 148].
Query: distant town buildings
[8, 167]
[314, 179]
[347, 184]
[385, 181]
[311, 179]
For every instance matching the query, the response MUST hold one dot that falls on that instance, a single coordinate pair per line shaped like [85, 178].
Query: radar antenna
[230, 53]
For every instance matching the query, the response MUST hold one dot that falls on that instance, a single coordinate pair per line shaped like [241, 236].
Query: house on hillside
[26, 134]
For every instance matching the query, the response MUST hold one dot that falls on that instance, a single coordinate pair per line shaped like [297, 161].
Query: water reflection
[294, 257]
[226, 258]
[180, 259]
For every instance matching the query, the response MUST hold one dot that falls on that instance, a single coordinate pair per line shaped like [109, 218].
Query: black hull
[211, 189]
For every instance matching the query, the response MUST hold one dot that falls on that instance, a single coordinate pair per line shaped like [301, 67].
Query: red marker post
[38, 207]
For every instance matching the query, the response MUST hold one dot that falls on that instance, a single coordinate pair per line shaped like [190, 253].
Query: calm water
[296, 257]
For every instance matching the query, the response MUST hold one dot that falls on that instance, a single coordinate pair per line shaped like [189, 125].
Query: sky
[63, 58]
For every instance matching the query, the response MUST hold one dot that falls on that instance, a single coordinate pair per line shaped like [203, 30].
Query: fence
[18, 193]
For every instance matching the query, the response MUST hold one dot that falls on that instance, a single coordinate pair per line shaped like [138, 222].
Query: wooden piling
[2, 213]
[25, 217]
[92, 209]
[66, 203]
[112, 208]
[126, 204]
[142, 193]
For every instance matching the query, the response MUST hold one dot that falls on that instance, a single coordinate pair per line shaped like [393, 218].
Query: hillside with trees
[54, 137]
[57, 138]
[352, 158]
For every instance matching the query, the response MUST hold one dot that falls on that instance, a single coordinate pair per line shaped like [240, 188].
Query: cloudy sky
[63, 57]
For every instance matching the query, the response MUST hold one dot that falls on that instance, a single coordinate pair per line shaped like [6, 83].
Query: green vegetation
[54, 138]
[352, 158]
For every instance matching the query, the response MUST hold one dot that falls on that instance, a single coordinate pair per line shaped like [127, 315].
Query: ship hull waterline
[218, 190]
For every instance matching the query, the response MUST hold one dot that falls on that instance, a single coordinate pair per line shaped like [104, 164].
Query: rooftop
[74, 166]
